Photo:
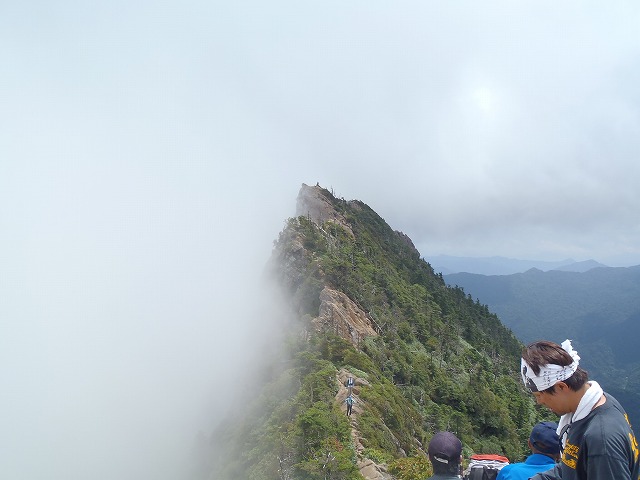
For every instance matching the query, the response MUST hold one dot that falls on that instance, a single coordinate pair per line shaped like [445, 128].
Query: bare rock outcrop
[313, 203]
[373, 471]
[339, 313]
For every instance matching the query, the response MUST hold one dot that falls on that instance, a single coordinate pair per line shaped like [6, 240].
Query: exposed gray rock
[339, 313]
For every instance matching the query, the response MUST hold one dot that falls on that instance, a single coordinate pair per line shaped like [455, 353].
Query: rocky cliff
[314, 204]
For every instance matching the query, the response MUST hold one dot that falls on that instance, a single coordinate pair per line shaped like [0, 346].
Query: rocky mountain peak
[316, 203]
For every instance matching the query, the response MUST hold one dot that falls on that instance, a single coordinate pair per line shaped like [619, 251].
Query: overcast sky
[150, 153]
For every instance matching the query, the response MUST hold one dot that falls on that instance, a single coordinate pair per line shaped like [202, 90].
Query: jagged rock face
[372, 471]
[405, 238]
[313, 204]
[291, 262]
[339, 313]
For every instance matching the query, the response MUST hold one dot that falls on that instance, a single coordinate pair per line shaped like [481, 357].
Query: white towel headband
[549, 375]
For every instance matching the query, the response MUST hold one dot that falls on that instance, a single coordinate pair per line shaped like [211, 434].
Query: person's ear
[562, 386]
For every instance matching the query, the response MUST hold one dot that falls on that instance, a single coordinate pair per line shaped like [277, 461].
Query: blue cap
[544, 438]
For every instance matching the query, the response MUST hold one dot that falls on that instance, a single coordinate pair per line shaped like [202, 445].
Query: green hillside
[598, 309]
[430, 358]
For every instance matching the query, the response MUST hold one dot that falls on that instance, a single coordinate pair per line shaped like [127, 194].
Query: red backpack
[484, 466]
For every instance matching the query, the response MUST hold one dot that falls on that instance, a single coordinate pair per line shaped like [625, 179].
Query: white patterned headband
[551, 374]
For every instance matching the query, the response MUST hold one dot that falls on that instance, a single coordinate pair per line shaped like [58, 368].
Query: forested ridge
[598, 309]
[438, 360]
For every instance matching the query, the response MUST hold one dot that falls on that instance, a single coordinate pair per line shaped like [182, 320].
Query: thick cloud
[151, 153]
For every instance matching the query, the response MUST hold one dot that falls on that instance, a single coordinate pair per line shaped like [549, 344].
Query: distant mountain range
[599, 309]
[447, 264]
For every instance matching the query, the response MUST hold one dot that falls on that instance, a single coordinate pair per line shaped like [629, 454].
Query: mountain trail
[369, 469]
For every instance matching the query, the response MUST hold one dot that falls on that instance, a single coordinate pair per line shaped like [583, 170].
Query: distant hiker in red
[350, 401]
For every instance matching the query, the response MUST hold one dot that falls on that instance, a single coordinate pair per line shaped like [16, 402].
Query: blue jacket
[535, 463]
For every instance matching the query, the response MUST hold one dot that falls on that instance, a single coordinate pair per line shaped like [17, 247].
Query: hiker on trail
[445, 454]
[350, 401]
[349, 383]
[545, 447]
[596, 438]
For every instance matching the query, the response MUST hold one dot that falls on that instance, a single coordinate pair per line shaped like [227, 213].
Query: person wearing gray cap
[445, 454]
[545, 447]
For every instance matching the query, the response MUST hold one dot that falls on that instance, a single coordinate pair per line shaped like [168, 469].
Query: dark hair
[452, 467]
[543, 353]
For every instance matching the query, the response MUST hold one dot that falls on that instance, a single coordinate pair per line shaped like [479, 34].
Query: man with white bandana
[594, 430]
